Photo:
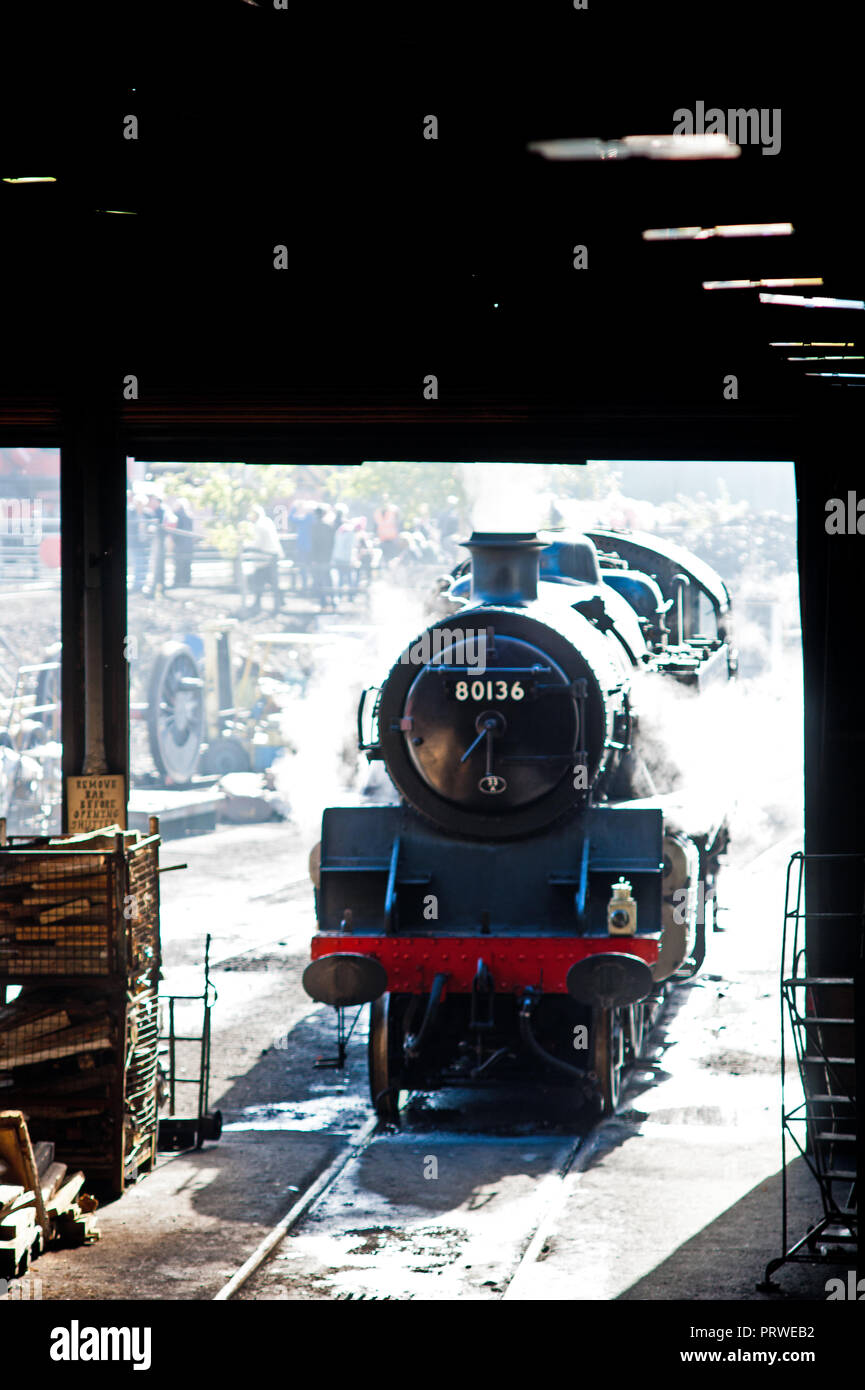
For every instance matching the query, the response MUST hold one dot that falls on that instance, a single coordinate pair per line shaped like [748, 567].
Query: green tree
[408, 485]
[228, 491]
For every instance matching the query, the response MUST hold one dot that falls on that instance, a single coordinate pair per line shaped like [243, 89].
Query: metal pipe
[490, 1062]
[414, 1043]
[171, 1057]
[682, 583]
[94, 719]
[528, 1037]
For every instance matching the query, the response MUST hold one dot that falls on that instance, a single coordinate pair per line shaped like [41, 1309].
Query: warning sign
[94, 802]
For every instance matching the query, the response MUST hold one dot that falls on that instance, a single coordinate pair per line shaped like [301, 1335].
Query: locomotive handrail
[447, 670]
[363, 746]
[390, 891]
[580, 895]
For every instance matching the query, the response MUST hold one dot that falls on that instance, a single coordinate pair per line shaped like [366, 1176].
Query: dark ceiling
[410, 256]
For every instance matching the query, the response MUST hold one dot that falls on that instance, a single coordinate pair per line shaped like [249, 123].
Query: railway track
[324, 1223]
[297, 1212]
[551, 1190]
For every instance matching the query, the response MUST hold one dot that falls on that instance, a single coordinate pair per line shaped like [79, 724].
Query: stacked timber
[58, 1060]
[55, 915]
[79, 938]
[41, 1203]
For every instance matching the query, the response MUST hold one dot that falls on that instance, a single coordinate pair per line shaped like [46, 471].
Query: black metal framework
[812, 1013]
[176, 1132]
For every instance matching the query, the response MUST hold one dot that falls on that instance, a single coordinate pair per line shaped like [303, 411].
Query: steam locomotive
[525, 905]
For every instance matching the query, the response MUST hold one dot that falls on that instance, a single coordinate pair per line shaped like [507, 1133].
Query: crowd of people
[150, 521]
[333, 551]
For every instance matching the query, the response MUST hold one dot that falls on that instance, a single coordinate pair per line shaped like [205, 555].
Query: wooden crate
[79, 931]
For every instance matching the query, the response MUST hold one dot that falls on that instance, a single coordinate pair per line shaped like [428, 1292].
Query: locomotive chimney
[505, 566]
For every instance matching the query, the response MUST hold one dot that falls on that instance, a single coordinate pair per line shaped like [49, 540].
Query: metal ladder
[174, 1132]
[817, 1012]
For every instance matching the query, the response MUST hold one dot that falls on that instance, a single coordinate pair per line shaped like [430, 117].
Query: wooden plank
[17, 1151]
[33, 1023]
[43, 1154]
[79, 1027]
[77, 907]
[13, 1252]
[66, 934]
[16, 1221]
[57, 897]
[52, 1180]
[65, 1112]
[59, 860]
[71, 865]
[55, 1046]
[10, 1193]
[68, 961]
[29, 969]
[64, 1198]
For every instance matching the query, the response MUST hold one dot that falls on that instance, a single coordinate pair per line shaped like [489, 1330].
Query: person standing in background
[183, 545]
[137, 540]
[365, 552]
[449, 524]
[387, 529]
[300, 519]
[344, 556]
[320, 551]
[159, 518]
[266, 551]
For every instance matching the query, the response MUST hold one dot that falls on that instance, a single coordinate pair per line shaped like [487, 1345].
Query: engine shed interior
[386, 295]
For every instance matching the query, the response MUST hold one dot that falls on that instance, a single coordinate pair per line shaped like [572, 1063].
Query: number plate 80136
[489, 689]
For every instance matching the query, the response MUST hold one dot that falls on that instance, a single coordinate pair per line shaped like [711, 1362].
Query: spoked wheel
[385, 1059]
[609, 1055]
[175, 713]
[636, 1030]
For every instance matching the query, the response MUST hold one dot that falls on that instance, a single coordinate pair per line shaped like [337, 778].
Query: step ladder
[817, 1015]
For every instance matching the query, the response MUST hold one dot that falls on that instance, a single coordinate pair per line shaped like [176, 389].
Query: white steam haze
[506, 496]
[327, 769]
[738, 745]
[736, 748]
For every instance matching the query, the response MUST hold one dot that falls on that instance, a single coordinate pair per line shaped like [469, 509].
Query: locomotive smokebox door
[609, 980]
[345, 978]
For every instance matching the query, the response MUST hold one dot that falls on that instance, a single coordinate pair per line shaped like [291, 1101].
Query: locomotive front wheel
[384, 1059]
[609, 1056]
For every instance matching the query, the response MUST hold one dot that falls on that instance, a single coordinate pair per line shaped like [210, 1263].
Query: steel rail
[313, 1193]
